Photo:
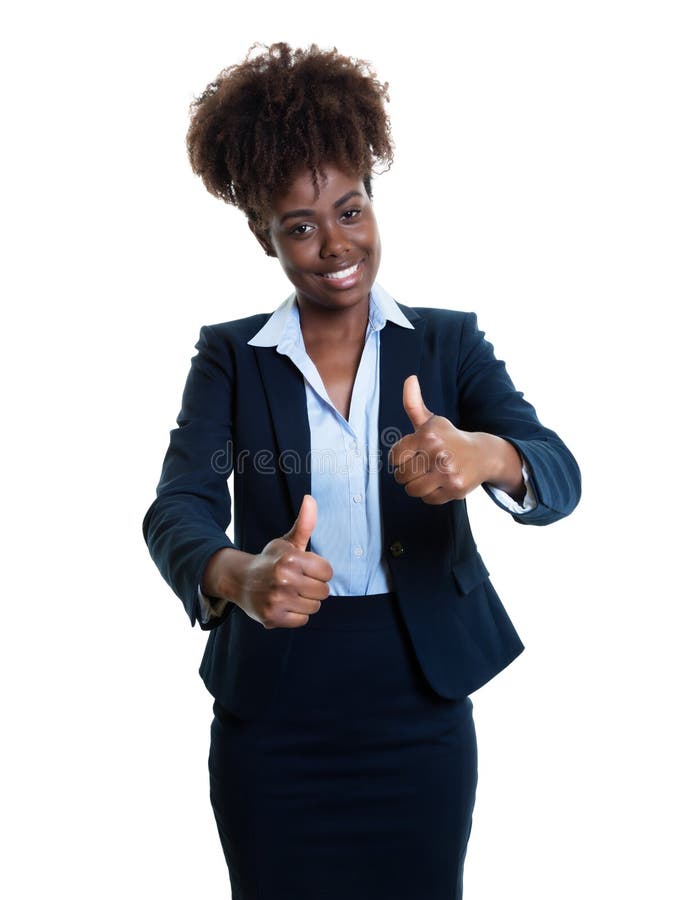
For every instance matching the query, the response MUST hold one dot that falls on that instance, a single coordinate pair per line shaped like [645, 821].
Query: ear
[262, 238]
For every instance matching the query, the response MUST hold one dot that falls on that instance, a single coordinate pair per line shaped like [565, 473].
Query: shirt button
[358, 551]
[355, 446]
[397, 548]
[357, 498]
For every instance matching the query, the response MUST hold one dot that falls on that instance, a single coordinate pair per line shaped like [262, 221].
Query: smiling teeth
[344, 273]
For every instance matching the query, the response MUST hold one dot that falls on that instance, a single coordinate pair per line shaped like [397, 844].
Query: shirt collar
[284, 323]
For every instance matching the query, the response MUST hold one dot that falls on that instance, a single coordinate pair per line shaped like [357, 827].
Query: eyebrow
[298, 213]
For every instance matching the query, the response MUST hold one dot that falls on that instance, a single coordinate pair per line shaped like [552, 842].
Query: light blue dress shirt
[344, 453]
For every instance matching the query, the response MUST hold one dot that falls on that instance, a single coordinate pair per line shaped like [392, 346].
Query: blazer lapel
[400, 356]
[284, 387]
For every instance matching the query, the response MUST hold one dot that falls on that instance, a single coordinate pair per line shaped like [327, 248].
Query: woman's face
[329, 246]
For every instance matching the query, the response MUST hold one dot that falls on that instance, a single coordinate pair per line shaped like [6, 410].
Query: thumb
[302, 528]
[415, 408]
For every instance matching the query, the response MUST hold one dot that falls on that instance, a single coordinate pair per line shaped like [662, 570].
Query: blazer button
[397, 548]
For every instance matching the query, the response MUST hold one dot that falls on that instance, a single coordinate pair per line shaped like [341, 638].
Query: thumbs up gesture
[437, 462]
[284, 584]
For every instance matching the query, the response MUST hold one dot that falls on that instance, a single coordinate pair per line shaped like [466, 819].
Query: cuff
[210, 607]
[509, 503]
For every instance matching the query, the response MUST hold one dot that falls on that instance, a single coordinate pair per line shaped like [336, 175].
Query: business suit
[244, 406]
[375, 683]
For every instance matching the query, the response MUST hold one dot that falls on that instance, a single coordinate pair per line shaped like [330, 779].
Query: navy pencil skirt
[359, 781]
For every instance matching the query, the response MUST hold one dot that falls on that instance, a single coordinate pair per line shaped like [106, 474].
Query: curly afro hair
[281, 109]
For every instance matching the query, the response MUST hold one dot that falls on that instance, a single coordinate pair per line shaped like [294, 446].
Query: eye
[350, 214]
[297, 229]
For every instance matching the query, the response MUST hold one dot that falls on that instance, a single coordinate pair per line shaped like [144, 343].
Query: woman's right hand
[283, 585]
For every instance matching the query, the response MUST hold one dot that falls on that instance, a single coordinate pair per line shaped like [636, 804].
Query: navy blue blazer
[244, 409]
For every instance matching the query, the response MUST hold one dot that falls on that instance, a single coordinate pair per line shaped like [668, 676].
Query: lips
[343, 277]
[341, 273]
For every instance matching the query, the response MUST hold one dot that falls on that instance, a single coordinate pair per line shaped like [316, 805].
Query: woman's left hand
[439, 462]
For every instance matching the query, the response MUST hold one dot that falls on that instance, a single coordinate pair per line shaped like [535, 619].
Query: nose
[334, 243]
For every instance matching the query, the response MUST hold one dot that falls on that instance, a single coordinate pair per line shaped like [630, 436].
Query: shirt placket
[357, 474]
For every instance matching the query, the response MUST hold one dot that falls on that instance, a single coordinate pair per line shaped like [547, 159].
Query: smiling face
[328, 246]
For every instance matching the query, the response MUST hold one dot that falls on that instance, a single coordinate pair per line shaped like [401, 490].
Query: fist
[437, 462]
[285, 584]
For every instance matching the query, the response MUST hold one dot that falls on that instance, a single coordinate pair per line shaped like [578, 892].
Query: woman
[352, 615]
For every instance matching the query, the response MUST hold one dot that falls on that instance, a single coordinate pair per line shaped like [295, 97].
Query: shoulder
[442, 324]
[222, 346]
[237, 330]
[436, 317]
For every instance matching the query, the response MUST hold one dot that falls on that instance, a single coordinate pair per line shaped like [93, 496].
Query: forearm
[490, 403]
[224, 574]
[503, 465]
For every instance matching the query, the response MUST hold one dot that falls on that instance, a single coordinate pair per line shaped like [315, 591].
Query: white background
[534, 184]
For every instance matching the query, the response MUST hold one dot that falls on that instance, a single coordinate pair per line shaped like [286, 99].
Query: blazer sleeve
[488, 401]
[185, 525]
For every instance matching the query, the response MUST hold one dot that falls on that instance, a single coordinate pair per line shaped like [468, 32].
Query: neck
[320, 324]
